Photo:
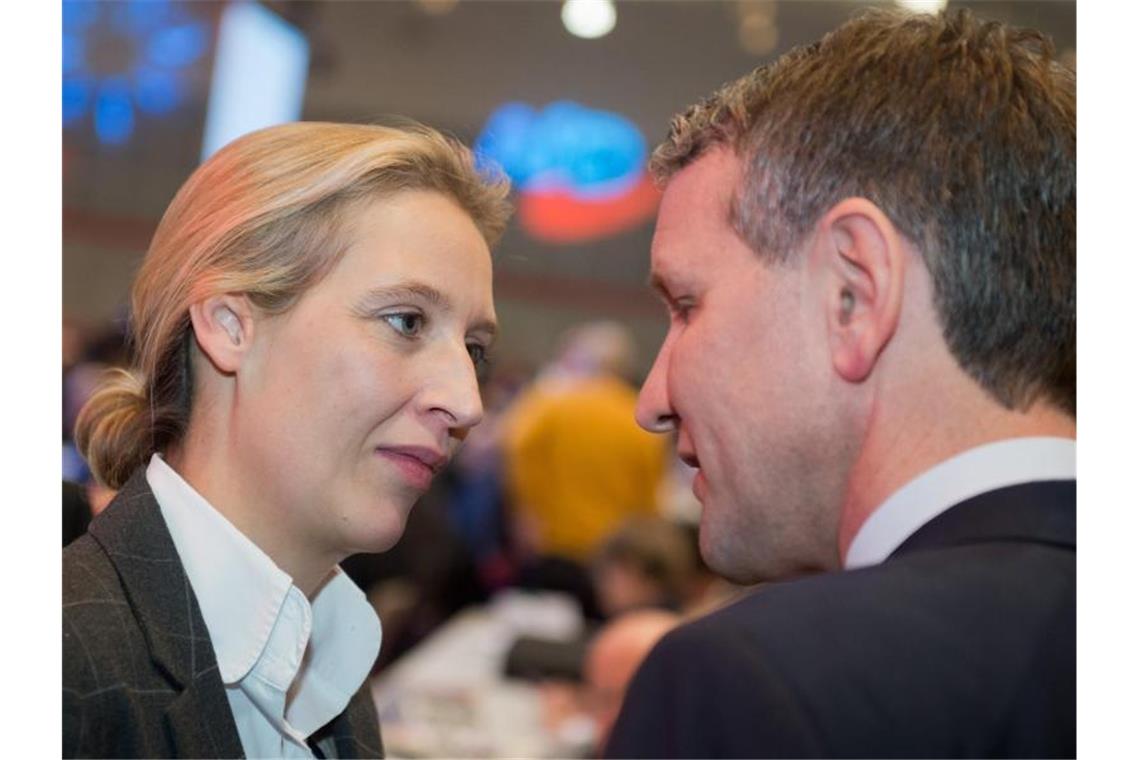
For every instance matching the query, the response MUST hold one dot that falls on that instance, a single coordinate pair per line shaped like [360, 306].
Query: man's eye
[681, 310]
[407, 324]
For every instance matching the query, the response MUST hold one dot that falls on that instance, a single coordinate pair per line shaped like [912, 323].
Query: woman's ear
[862, 260]
[223, 328]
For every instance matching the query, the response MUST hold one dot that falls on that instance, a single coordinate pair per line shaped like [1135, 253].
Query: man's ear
[862, 261]
[223, 327]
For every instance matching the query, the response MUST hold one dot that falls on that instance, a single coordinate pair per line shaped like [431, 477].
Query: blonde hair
[265, 216]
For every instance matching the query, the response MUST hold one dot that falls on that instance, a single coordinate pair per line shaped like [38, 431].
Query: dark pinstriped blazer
[139, 674]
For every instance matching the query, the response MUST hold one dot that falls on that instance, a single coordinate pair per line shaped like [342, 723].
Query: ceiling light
[922, 6]
[589, 19]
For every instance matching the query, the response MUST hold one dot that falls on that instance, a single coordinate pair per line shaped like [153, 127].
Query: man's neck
[895, 454]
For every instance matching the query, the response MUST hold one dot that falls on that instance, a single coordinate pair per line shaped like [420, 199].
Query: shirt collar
[973, 472]
[240, 616]
[343, 646]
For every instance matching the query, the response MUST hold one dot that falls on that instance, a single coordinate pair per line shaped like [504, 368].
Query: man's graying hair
[964, 133]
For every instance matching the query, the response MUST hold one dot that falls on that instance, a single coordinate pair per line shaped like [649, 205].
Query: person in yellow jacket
[577, 465]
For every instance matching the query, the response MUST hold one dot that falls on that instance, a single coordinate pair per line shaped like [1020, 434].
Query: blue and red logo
[580, 172]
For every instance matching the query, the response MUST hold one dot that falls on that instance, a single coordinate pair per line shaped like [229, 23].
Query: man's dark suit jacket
[139, 674]
[963, 643]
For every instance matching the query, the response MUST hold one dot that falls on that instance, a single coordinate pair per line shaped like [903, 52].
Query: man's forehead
[700, 194]
[697, 203]
[713, 176]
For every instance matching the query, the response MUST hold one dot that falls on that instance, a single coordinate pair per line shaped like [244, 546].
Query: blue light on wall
[125, 57]
[579, 171]
[114, 114]
[565, 144]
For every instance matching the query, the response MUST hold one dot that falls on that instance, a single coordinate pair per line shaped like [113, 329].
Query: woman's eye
[478, 354]
[408, 324]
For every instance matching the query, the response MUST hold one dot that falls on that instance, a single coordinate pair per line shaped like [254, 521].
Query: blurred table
[448, 697]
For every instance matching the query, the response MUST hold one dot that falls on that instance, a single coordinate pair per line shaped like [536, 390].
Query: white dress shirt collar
[257, 618]
[971, 473]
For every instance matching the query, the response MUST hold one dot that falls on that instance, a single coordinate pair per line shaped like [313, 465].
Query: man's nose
[654, 411]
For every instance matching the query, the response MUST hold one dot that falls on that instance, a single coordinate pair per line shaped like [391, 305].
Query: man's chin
[723, 559]
[747, 566]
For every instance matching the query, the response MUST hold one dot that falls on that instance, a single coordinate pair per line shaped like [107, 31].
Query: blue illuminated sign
[580, 172]
[567, 144]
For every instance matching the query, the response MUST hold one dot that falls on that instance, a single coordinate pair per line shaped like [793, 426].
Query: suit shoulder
[111, 688]
[100, 632]
[899, 655]
[961, 615]
[92, 591]
[1026, 582]
[709, 689]
[88, 574]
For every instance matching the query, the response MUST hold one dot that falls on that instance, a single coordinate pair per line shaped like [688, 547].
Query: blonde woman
[306, 330]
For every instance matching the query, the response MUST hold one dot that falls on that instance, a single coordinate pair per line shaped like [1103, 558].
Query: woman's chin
[379, 534]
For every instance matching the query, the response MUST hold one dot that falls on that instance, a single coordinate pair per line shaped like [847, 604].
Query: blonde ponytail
[113, 430]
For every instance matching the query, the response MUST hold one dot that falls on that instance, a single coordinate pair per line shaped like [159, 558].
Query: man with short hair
[867, 250]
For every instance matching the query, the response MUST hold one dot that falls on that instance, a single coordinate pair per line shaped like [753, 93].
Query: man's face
[744, 376]
[360, 392]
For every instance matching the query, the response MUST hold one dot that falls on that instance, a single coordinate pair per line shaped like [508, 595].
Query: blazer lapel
[134, 535]
[200, 722]
[354, 733]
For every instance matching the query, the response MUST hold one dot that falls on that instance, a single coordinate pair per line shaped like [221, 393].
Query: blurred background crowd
[562, 542]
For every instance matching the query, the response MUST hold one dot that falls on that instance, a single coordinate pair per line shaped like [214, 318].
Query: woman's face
[357, 395]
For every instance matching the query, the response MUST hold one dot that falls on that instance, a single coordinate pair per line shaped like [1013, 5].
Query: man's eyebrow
[657, 283]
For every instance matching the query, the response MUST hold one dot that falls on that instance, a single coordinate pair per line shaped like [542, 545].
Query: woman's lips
[416, 464]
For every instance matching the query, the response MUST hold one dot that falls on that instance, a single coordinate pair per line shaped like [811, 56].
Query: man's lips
[699, 484]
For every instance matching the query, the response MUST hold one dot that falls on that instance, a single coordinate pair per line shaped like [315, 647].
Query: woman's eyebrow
[408, 291]
[421, 291]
